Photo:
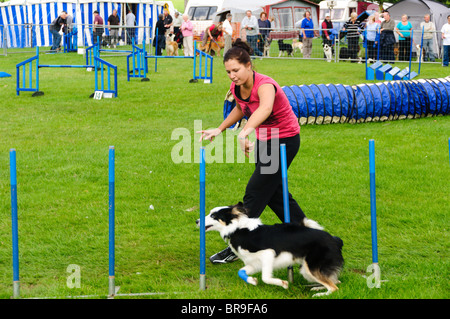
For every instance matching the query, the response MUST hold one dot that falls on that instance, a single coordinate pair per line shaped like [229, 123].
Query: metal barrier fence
[17, 38]
[270, 43]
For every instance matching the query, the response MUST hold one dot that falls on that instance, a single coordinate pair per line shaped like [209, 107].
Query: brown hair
[240, 51]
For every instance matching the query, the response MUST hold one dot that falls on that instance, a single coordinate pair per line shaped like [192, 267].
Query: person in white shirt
[227, 33]
[428, 34]
[250, 25]
[446, 41]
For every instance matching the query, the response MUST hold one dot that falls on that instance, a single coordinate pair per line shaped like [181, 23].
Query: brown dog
[171, 45]
[211, 47]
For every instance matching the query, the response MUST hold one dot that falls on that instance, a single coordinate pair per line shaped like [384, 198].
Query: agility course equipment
[71, 41]
[202, 221]
[27, 73]
[337, 103]
[138, 68]
[378, 71]
[373, 212]
[287, 214]
[111, 212]
[371, 102]
[14, 223]
[4, 75]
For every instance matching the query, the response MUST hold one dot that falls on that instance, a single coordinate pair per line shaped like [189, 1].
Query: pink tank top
[281, 123]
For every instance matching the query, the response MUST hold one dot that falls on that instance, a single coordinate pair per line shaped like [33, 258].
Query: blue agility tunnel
[371, 102]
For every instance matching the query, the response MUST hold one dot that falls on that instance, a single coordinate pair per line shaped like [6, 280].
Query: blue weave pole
[14, 224]
[373, 206]
[284, 178]
[202, 221]
[112, 165]
[287, 214]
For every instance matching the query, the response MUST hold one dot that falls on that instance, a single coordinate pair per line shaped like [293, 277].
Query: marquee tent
[25, 23]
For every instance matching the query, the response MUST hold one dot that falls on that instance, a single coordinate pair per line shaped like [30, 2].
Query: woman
[160, 40]
[188, 37]
[212, 33]
[403, 30]
[352, 27]
[307, 26]
[372, 35]
[264, 30]
[267, 108]
[327, 36]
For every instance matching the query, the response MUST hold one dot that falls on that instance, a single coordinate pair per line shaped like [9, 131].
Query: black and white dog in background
[265, 248]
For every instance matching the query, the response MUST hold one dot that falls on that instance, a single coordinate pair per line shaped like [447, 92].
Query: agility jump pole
[202, 221]
[111, 211]
[373, 211]
[14, 223]
[287, 214]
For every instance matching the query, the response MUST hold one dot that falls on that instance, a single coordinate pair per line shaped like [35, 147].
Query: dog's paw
[285, 284]
[321, 294]
[252, 281]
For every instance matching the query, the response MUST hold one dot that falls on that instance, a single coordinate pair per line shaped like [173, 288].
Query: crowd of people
[379, 30]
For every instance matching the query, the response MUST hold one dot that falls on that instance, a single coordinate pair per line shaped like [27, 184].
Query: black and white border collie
[265, 248]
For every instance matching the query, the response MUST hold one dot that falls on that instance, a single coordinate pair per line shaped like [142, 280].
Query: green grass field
[62, 141]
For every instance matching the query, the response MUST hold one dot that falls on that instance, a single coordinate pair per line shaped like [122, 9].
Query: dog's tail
[311, 224]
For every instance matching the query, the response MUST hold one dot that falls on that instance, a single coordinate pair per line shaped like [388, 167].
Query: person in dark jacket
[160, 35]
[327, 35]
[55, 27]
[387, 38]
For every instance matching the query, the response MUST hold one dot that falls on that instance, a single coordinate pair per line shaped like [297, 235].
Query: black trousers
[265, 185]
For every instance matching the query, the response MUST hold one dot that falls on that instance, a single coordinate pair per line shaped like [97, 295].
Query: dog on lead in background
[171, 45]
[265, 248]
[267, 43]
[327, 52]
[297, 45]
[285, 49]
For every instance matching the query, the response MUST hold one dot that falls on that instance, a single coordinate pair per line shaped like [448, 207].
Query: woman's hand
[209, 134]
[246, 146]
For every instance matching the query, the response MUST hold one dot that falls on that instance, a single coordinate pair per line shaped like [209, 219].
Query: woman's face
[237, 72]
[404, 18]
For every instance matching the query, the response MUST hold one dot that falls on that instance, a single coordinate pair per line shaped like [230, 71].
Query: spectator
[168, 20]
[130, 22]
[377, 19]
[177, 22]
[403, 30]
[250, 25]
[188, 37]
[372, 37]
[352, 27]
[387, 38]
[69, 24]
[327, 36]
[264, 26]
[428, 28]
[113, 20]
[446, 41]
[227, 33]
[307, 31]
[212, 33]
[160, 41]
[55, 27]
[98, 27]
